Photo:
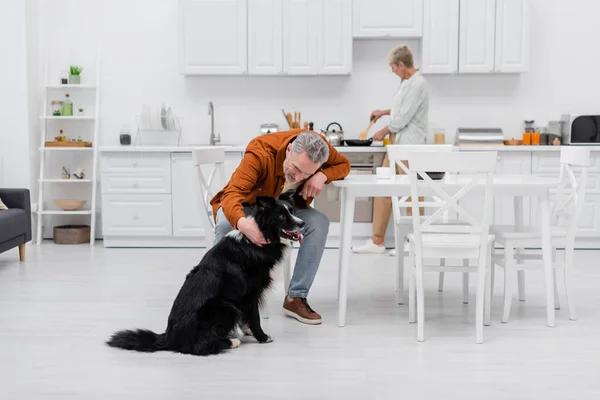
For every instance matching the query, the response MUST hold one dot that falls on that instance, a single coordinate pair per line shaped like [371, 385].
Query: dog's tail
[138, 340]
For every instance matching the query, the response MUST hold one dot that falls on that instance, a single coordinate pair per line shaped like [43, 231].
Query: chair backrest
[464, 171]
[214, 157]
[397, 153]
[571, 191]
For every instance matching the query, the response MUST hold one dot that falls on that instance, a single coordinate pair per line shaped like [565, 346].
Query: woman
[408, 125]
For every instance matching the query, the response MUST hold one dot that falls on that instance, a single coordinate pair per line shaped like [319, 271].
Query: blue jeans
[309, 256]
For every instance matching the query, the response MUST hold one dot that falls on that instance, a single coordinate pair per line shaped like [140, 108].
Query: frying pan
[358, 142]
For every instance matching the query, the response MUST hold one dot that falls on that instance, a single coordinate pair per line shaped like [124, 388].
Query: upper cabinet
[295, 37]
[317, 37]
[265, 37]
[439, 46]
[477, 30]
[335, 44]
[475, 36]
[512, 35]
[388, 18]
[213, 37]
[301, 36]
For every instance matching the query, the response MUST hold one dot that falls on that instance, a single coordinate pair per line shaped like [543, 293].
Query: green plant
[75, 70]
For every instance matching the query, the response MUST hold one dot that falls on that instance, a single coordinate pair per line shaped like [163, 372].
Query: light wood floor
[58, 307]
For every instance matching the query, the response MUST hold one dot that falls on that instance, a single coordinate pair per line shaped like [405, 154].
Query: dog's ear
[265, 202]
[288, 196]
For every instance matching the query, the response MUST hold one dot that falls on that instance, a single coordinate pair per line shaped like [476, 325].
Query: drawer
[549, 162]
[133, 163]
[141, 182]
[136, 215]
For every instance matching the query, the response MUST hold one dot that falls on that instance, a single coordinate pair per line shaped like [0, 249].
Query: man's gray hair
[313, 145]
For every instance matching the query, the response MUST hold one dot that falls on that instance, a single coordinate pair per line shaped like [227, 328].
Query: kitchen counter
[229, 148]
[342, 149]
[474, 147]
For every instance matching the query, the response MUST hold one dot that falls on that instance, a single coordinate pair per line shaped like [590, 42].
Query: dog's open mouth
[292, 235]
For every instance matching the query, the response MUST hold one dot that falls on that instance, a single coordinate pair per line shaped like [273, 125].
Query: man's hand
[314, 185]
[375, 115]
[380, 134]
[250, 229]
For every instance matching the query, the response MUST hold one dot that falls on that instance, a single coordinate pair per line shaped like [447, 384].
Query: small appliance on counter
[268, 128]
[479, 136]
[583, 130]
[336, 138]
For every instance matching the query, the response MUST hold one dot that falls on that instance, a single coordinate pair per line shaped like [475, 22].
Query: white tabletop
[372, 185]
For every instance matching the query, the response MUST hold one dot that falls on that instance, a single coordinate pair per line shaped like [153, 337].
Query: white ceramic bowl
[384, 172]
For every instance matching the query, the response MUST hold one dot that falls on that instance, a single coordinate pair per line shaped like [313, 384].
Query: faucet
[214, 139]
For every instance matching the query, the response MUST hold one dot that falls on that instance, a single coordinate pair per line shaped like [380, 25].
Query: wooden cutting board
[68, 144]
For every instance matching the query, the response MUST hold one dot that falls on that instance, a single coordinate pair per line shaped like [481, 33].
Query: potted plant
[74, 74]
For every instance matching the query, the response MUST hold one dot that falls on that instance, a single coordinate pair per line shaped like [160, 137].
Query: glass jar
[56, 106]
[528, 132]
[67, 107]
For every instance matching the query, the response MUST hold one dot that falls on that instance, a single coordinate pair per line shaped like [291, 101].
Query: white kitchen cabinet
[301, 36]
[512, 35]
[136, 215]
[213, 37]
[477, 31]
[439, 47]
[335, 37]
[388, 18]
[265, 37]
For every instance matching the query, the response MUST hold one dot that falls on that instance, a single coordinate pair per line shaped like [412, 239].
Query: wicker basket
[72, 234]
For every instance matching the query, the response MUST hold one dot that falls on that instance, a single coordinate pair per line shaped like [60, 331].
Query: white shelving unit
[60, 152]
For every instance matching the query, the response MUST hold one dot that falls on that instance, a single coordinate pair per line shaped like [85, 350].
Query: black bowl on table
[436, 176]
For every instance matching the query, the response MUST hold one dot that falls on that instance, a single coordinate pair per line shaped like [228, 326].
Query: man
[304, 162]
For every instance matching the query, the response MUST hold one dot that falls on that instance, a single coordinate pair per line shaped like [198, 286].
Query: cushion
[13, 223]
[3, 206]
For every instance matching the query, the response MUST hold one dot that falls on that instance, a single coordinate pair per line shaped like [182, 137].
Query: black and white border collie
[225, 289]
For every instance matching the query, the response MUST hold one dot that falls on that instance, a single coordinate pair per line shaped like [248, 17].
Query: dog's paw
[235, 343]
[247, 331]
[267, 339]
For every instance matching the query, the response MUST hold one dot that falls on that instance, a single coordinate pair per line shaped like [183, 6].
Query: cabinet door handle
[135, 185]
[135, 163]
[135, 217]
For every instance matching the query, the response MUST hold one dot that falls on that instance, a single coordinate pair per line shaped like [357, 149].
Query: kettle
[333, 137]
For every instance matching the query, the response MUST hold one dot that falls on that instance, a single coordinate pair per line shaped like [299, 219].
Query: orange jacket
[261, 174]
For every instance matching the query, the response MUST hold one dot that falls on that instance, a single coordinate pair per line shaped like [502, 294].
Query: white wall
[14, 128]
[139, 39]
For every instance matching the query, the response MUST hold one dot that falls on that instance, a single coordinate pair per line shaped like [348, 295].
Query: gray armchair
[15, 223]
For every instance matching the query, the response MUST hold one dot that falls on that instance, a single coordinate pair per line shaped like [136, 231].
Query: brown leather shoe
[297, 307]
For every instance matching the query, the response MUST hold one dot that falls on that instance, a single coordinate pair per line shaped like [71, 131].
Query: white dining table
[516, 186]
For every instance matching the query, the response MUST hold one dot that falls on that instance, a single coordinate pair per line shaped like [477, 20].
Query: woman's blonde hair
[401, 54]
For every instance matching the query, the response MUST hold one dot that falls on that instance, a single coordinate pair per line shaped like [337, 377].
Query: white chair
[467, 238]
[397, 154]
[216, 157]
[202, 158]
[566, 213]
